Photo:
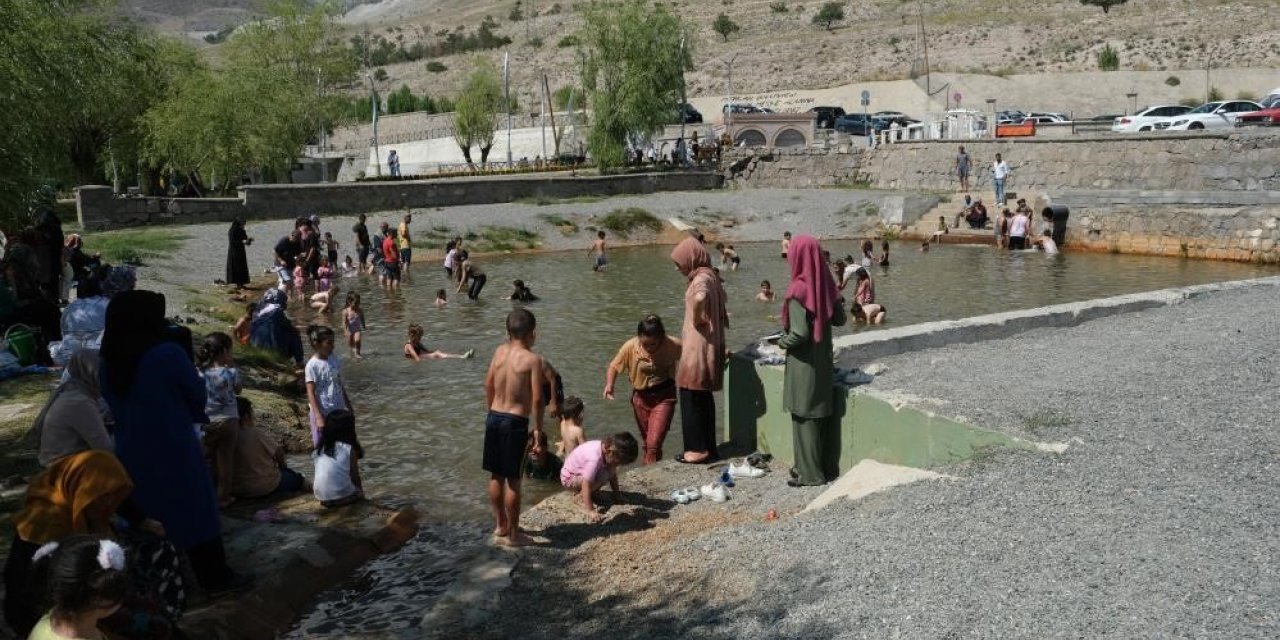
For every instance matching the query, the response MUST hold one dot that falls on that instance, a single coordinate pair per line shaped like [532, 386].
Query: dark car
[827, 116]
[858, 124]
[687, 114]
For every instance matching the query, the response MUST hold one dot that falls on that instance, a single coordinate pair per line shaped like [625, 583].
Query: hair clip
[44, 551]
[110, 555]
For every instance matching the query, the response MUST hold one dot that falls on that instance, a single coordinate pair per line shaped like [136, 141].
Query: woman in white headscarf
[72, 421]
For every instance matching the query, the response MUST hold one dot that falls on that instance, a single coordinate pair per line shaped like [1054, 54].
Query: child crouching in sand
[595, 462]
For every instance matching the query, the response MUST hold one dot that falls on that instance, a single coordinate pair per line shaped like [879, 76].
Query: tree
[725, 27]
[76, 77]
[475, 118]
[1105, 4]
[278, 90]
[634, 69]
[829, 14]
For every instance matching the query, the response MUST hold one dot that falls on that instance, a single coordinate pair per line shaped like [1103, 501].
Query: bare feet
[520, 539]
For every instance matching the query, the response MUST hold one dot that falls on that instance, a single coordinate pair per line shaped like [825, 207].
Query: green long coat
[807, 383]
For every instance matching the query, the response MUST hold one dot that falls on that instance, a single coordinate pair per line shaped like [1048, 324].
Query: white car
[1211, 115]
[1147, 117]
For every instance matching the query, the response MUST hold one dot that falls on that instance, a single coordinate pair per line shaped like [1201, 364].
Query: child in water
[331, 248]
[594, 463]
[353, 322]
[244, 325]
[442, 298]
[571, 431]
[766, 292]
[300, 275]
[521, 293]
[348, 266]
[322, 301]
[337, 461]
[869, 313]
[883, 260]
[324, 274]
[728, 257]
[415, 350]
[786, 243]
[326, 392]
[87, 583]
[541, 464]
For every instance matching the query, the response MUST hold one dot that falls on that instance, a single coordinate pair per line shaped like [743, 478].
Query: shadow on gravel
[643, 515]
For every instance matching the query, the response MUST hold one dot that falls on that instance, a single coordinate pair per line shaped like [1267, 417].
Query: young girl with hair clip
[353, 322]
[337, 461]
[87, 583]
[323, 374]
[222, 383]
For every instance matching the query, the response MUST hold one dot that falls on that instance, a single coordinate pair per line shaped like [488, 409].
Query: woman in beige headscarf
[72, 420]
[701, 369]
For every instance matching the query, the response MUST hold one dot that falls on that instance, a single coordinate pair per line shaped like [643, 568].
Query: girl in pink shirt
[594, 462]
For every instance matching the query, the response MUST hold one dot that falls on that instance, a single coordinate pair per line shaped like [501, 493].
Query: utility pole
[728, 121]
[506, 91]
[684, 101]
[373, 102]
[555, 134]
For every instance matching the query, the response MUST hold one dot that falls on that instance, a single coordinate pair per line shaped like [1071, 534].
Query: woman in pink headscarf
[701, 369]
[811, 306]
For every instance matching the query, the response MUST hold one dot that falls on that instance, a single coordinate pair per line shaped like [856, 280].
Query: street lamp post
[683, 99]
[995, 121]
[728, 100]
[1133, 101]
[373, 103]
[506, 92]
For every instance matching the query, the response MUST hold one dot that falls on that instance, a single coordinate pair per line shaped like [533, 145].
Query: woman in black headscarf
[237, 263]
[155, 396]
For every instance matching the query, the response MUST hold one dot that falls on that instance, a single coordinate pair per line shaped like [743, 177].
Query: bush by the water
[624, 221]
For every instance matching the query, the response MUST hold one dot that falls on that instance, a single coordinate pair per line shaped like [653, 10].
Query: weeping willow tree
[634, 70]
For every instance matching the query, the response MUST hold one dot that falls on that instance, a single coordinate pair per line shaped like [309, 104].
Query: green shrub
[778, 7]
[1214, 94]
[436, 67]
[1172, 81]
[1108, 59]
[625, 221]
[569, 41]
[1247, 95]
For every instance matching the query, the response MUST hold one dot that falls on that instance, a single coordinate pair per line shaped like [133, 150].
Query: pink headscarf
[811, 284]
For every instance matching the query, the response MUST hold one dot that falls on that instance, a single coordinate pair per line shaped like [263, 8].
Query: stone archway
[789, 138]
[749, 138]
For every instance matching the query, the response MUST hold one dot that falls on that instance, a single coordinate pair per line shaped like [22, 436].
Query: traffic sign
[957, 98]
[866, 97]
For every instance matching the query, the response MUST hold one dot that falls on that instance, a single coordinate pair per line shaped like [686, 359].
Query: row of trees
[90, 96]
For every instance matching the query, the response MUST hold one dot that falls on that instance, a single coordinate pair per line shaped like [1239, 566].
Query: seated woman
[260, 468]
[272, 329]
[72, 420]
[78, 495]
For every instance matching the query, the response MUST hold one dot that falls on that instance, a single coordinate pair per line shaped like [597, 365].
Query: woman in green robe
[811, 306]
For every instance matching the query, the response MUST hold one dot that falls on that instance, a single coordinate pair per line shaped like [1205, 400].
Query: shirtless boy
[597, 248]
[513, 391]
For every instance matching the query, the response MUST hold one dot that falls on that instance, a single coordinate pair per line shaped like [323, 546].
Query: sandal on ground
[707, 460]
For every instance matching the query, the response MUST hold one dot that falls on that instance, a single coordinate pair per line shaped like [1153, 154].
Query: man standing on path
[362, 241]
[999, 173]
[962, 169]
[393, 163]
[406, 244]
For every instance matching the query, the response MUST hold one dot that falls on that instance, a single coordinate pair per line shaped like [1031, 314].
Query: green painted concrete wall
[865, 426]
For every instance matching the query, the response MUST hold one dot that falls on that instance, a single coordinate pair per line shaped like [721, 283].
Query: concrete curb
[860, 349]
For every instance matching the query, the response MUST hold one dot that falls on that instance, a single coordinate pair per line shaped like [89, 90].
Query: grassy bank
[134, 246]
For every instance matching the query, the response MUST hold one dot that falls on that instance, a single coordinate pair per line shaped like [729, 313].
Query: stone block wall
[1240, 233]
[790, 168]
[1229, 161]
[99, 209]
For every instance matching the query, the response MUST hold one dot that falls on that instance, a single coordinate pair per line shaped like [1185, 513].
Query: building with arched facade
[778, 130]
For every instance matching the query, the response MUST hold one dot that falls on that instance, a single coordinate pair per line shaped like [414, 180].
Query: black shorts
[736, 260]
[1017, 243]
[363, 253]
[505, 439]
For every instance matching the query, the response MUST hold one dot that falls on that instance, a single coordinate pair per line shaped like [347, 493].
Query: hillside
[778, 49]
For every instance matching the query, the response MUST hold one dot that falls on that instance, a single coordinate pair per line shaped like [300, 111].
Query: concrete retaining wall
[1230, 161]
[862, 348]
[99, 209]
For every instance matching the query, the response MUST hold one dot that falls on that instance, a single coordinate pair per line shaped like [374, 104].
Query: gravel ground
[1158, 521]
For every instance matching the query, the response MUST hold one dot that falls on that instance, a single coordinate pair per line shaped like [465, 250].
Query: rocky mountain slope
[777, 47]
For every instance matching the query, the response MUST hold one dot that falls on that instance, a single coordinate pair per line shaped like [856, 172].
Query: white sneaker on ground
[715, 492]
[744, 470]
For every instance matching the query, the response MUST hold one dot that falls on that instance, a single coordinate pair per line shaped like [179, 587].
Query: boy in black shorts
[513, 392]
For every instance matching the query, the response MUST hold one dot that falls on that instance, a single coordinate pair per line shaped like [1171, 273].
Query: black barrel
[1057, 215]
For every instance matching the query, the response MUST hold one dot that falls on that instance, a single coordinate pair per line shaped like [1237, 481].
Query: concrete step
[926, 228]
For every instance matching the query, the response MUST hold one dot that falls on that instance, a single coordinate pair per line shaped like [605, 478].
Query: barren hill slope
[778, 48]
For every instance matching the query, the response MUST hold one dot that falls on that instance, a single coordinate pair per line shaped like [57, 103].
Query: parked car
[1052, 116]
[858, 124]
[1010, 116]
[742, 107]
[687, 114]
[1145, 118]
[1272, 99]
[1211, 115]
[1266, 117]
[827, 116]
[1042, 119]
[891, 115]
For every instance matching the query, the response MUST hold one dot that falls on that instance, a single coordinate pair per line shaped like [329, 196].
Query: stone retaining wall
[99, 209]
[1229, 161]
[790, 168]
[1243, 234]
